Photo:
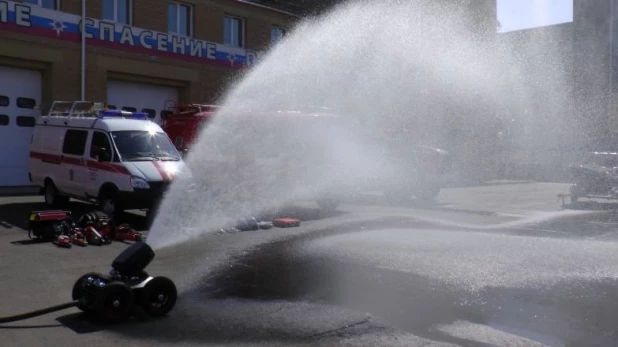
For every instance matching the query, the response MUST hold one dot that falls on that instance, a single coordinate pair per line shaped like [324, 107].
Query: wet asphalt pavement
[475, 269]
[463, 287]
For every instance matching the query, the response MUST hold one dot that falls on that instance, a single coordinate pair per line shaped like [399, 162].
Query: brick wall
[150, 14]
[93, 7]
[208, 23]
[60, 61]
[207, 17]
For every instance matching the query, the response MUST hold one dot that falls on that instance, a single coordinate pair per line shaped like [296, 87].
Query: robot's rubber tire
[115, 302]
[158, 296]
[76, 293]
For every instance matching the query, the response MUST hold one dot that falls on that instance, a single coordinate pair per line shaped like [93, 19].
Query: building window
[179, 19]
[117, 11]
[276, 34]
[26, 103]
[234, 31]
[50, 4]
[25, 121]
[4, 101]
[4, 119]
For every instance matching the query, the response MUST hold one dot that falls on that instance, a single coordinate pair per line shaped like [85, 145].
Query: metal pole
[83, 77]
[611, 120]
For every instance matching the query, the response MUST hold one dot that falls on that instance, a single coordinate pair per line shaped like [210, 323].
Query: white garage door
[147, 98]
[20, 91]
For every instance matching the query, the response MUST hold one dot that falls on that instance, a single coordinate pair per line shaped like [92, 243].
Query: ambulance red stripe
[58, 159]
[161, 171]
[108, 167]
[53, 159]
[73, 161]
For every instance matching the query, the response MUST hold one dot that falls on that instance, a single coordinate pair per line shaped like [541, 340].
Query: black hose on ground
[36, 313]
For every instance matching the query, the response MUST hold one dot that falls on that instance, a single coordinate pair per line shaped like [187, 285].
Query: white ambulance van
[119, 160]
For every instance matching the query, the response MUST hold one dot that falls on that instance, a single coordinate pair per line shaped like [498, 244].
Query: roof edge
[268, 8]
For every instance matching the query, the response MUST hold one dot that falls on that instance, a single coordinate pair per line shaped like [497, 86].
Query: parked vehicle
[184, 123]
[422, 173]
[421, 169]
[595, 177]
[117, 159]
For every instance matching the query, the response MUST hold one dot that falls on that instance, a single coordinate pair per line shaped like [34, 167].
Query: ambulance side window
[74, 142]
[100, 147]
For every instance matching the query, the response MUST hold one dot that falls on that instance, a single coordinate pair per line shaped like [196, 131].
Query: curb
[19, 191]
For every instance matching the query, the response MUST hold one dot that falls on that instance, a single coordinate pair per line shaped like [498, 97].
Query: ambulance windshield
[137, 145]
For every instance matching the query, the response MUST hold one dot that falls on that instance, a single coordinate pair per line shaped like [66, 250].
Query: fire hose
[37, 313]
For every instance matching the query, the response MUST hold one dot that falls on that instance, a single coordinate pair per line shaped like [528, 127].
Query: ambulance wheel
[114, 302]
[52, 198]
[158, 296]
[108, 204]
[151, 214]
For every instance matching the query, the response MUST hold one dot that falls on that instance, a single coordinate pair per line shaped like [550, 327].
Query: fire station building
[135, 55]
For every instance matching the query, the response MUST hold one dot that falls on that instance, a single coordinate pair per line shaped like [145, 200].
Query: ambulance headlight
[140, 183]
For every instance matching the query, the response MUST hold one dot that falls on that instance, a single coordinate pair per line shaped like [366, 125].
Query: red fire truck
[183, 123]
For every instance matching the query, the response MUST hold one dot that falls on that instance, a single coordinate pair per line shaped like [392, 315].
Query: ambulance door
[99, 162]
[72, 159]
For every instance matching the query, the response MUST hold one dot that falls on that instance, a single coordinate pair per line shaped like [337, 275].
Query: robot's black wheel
[158, 296]
[77, 287]
[114, 302]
